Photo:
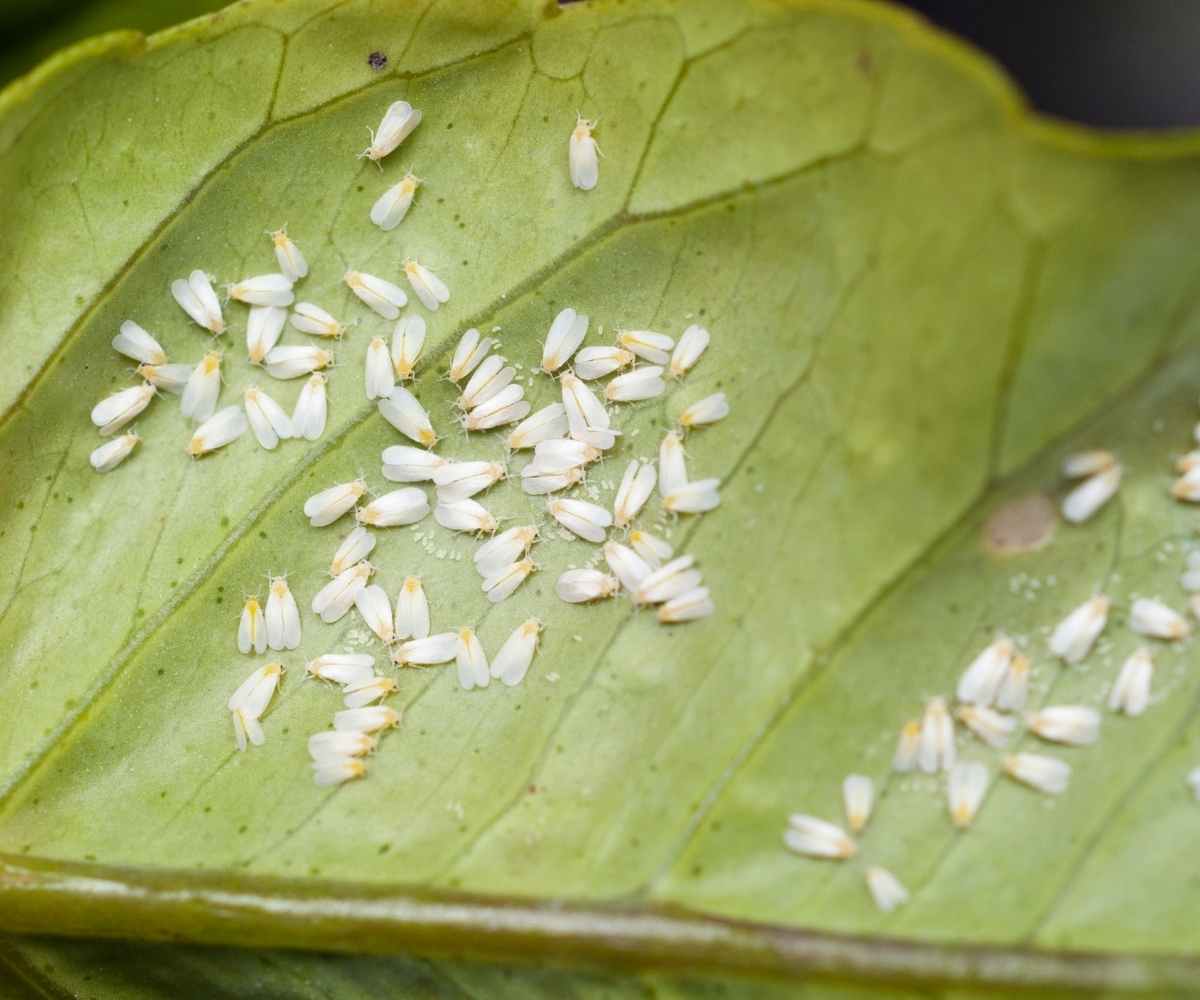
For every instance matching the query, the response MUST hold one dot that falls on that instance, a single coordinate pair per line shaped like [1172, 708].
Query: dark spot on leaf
[225, 521]
[377, 60]
[384, 848]
[160, 671]
[243, 828]
[1021, 525]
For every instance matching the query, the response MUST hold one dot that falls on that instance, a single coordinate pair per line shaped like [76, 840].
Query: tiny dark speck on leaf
[377, 60]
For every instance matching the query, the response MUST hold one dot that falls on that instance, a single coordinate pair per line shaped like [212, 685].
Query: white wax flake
[282, 615]
[329, 504]
[510, 546]
[512, 662]
[647, 345]
[669, 581]
[1046, 774]
[501, 584]
[689, 606]
[817, 838]
[1092, 494]
[637, 484]
[199, 399]
[288, 361]
[1153, 618]
[696, 497]
[487, 381]
[263, 290]
[197, 298]
[546, 424]
[990, 726]
[375, 607]
[252, 628]
[362, 693]
[858, 798]
[427, 286]
[333, 600]
[427, 651]
[248, 703]
[886, 890]
[366, 720]
[597, 362]
[1072, 725]
[907, 746]
[395, 509]
[292, 264]
[464, 515]
[1074, 636]
[469, 353]
[402, 410]
[563, 339]
[398, 123]
[222, 428]
[965, 789]
[654, 550]
[579, 586]
[643, 382]
[312, 408]
[135, 342]
[705, 411]
[380, 296]
[392, 206]
[982, 679]
[583, 155]
[408, 340]
[692, 344]
[267, 418]
[412, 610]
[1131, 691]
[312, 319]
[460, 480]
[626, 565]
[506, 407]
[379, 376]
[106, 457]
[170, 378]
[264, 326]
[587, 520]
[936, 751]
[341, 668]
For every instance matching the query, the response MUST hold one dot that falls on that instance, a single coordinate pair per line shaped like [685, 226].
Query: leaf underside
[919, 302]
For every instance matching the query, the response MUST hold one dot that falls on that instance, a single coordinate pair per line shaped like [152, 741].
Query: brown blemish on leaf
[1024, 524]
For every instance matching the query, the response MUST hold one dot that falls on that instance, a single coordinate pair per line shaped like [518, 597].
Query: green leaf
[919, 298]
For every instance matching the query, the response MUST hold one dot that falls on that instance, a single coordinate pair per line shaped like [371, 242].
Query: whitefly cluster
[568, 439]
[991, 705]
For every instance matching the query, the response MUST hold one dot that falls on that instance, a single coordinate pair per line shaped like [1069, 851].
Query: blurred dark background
[1112, 63]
